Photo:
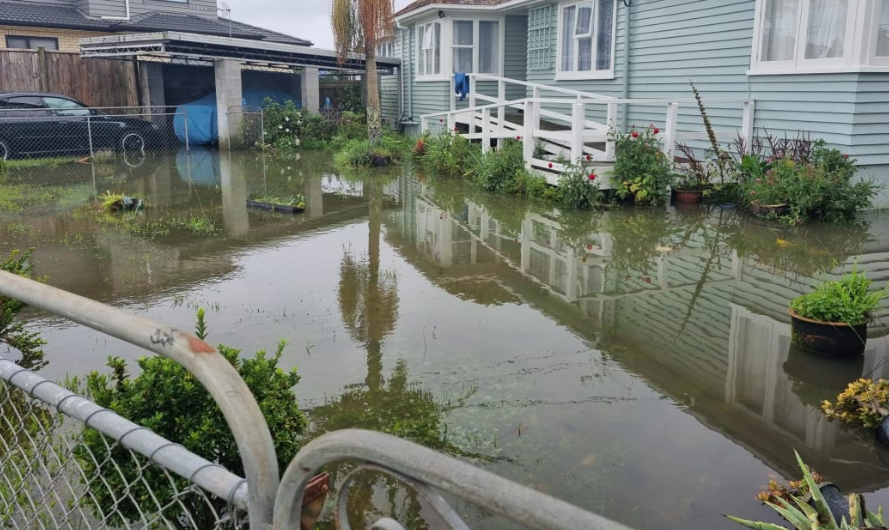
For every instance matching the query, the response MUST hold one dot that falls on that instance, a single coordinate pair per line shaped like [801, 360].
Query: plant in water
[848, 300]
[200, 225]
[362, 153]
[862, 403]
[793, 488]
[297, 201]
[169, 400]
[451, 155]
[579, 188]
[12, 331]
[641, 169]
[816, 514]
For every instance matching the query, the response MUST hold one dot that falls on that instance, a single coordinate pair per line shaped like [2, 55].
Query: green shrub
[360, 153]
[451, 155]
[281, 123]
[848, 300]
[578, 189]
[288, 128]
[500, 170]
[816, 183]
[641, 169]
[169, 400]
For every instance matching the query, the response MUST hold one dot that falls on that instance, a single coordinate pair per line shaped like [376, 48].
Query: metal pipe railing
[219, 377]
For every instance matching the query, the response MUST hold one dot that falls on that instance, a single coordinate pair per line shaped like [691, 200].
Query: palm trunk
[374, 120]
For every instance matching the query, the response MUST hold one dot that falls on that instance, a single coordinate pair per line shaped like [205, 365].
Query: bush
[451, 155]
[169, 400]
[360, 153]
[288, 128]
[641, 168]
[578, 189]
[846, 300]
[815, 183]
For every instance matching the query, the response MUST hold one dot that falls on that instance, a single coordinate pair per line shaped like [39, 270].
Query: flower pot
[769, 210]
[831, 339]
[836, 502]
[689, 196]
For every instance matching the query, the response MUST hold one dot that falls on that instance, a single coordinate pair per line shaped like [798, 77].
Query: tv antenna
[227, 13]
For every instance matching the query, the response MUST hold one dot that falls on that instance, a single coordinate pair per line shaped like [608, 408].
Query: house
[782, 66]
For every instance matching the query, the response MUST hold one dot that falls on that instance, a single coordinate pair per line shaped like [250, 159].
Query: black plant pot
[380, 161]
[838, 504]
[831, 339]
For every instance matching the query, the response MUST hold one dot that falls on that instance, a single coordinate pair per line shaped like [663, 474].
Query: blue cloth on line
[461, 85]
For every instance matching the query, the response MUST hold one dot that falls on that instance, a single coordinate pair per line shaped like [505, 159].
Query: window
[801, 34]
[22, 42]
[387, 49]
[429, 53]
[476, 46]
[24, 107]
[586, 39]
[66, 107]
[540, 38]
[883, 30]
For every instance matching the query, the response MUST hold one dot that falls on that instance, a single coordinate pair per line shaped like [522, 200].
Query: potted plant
[694, 178]
[832, 320]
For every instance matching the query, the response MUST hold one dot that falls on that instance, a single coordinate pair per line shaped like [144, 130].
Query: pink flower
[550, 165]
[846, 156]
[592, 176]
[657, 131]
[588, 157]
[769, 173]
[635, 134]
[519, 138]
[651, 126]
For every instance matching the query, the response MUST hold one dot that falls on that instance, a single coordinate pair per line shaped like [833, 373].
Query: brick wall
[69, 39]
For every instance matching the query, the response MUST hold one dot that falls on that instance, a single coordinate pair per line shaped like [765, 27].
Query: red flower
[441, 120]
[635, 134]
[456, 129]
[589, 247]
[592, 176]
[657, 131]
[845, 156]
[519, 138]
[550, 165]
[588, 157]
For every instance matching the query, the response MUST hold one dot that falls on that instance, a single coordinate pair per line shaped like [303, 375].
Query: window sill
[821, 70]
[584, 76]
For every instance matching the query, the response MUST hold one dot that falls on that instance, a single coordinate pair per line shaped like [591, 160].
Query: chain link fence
[249, 126]
[66, 463]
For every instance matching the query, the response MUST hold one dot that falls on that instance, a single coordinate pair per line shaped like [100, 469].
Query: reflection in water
[634, 362]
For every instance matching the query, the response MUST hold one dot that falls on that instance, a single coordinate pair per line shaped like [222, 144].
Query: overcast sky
[307, 19]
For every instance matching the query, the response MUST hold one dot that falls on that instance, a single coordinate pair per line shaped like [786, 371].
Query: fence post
[528, 140]
[89, 133]
[747, 126]
[452, 122]
[262, 127]
[187, 142]
[486, 130]
[424, 124]
[501, 112]
[612, 130]
[670, 130]
[578, 117]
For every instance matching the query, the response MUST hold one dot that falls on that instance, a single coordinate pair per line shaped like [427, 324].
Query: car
[38, 124]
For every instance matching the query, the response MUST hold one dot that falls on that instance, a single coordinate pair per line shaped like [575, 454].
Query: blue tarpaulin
[203, 128]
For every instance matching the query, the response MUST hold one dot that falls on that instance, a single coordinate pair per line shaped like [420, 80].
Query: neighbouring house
[157, 54]
[782, 66]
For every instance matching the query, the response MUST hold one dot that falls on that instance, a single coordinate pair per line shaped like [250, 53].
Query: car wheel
[5, 153]
[132, 142]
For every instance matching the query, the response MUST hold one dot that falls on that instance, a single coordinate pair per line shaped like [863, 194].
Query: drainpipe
[625, 84]
[126, 18]
[410, 84]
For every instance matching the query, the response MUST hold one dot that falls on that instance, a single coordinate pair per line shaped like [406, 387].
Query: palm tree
[357, 26]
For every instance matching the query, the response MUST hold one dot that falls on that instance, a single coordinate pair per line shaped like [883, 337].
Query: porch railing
[43, 483]
[571, 133]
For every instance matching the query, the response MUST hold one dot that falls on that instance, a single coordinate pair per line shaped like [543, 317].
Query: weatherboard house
[566, 73]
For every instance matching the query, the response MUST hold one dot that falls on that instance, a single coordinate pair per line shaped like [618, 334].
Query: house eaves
[421, 8]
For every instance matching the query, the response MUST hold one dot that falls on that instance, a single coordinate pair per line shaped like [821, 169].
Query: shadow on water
[635, 362]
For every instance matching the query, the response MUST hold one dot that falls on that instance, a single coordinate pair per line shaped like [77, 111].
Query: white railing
[575, 131]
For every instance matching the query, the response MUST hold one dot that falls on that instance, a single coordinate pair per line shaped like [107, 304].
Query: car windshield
[66, 107]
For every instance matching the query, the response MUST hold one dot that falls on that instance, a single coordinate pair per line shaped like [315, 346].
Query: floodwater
[635, 362]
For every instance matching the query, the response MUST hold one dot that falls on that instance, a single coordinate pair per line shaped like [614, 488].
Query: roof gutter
[399, 19]
[126, 18]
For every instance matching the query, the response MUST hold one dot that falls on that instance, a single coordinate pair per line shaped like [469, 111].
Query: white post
[486, 130]
[578, 117]
[747, 125]
[453, 91]
[670, 130]
[536, 95]
[452, 122]
[612, 130]
[424, 124]
[501, 112]
[528, 140]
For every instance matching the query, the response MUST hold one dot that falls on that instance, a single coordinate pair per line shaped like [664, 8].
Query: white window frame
[476, 42]
[859, 47]
[591, 74]
[442, 45]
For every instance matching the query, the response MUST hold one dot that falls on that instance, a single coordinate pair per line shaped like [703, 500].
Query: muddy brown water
[634, 362]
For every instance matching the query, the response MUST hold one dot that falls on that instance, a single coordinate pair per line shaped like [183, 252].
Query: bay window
[799, 36]
[586, 39]
[429, 50]
[476, 46]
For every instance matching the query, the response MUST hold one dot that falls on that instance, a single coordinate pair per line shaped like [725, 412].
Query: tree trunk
[374, 120]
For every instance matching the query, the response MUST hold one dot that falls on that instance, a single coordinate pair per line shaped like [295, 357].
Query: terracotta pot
[689, 196]
[769, 210]
[832, 339]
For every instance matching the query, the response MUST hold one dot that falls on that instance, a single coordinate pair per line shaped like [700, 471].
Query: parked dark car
[34, 124]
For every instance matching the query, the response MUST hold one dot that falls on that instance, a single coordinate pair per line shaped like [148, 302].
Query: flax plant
[358, 25]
